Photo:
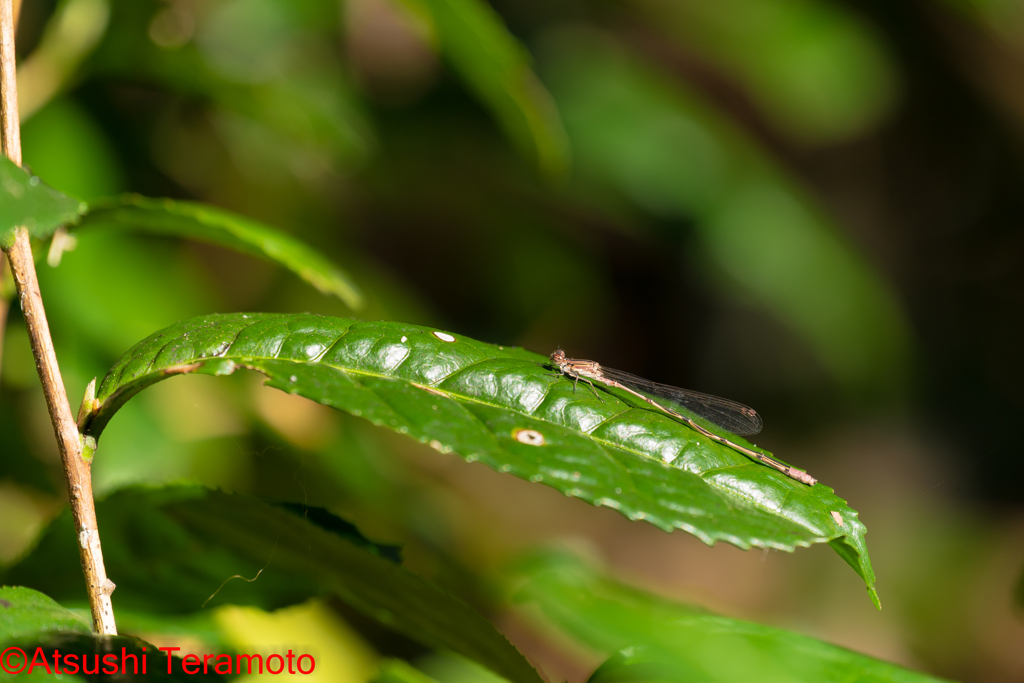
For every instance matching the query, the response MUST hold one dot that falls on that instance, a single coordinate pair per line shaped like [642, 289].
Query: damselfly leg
[729, 415]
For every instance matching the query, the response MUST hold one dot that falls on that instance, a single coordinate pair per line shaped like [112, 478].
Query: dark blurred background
[812, 207]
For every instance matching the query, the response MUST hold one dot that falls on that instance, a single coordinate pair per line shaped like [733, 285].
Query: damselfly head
[558, 356]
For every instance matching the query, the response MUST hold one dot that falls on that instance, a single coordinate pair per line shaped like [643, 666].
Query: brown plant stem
[5, 304]
[77, 470]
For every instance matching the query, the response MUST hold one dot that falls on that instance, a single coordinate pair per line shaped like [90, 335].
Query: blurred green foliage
[30, 203]
[818, 71]
[69, 150]
[184, 538]
[681, 642]
[31, 620]
[650, 139]
[812, 207]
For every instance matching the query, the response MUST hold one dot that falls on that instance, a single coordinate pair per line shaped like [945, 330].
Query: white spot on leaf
[444, 336]
[838, 517]
[530, 437]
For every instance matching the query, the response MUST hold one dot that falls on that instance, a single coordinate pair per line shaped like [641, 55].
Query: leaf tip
[874, 597]
[346, 290]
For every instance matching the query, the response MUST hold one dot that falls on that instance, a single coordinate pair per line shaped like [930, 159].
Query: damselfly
[729, 415]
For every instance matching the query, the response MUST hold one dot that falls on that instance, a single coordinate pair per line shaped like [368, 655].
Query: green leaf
[26, 201]
[660, 640]
[729, 651]
[216, 226]
[36, 624]
[502, 406]
[25, 612]
[179, 549]
[400, 671]
[474, 40]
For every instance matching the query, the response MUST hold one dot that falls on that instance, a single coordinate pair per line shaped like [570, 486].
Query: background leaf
[659, 640]
[502, 407]
[216, 226]
[76, 28]
[170, 550]
[25, 612]
[27, 201]
[816, 69]
[474, 40]
[258, 64]
[399, 671]
[30, 619]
